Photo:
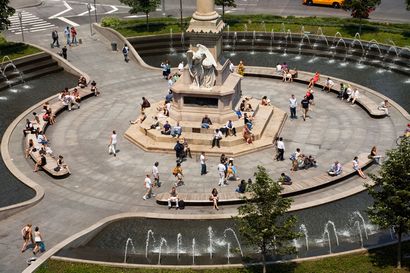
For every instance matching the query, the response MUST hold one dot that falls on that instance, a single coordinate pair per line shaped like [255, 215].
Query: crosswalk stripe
[30, 23]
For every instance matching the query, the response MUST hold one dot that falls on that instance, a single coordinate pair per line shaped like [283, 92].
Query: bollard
[114, 46]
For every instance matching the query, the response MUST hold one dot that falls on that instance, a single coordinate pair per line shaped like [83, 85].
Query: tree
[360, 9]
[391, 193]
[408, 4]
[5, 12]
[145, 6]
[262, 221]
[225, 3]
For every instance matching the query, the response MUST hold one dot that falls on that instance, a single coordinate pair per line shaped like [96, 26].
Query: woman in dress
[357, 168]
[214, 198]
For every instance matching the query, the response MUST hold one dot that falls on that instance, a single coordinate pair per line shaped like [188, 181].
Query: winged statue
[202, 66]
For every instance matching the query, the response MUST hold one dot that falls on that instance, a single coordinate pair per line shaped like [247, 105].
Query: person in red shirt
[314, 80]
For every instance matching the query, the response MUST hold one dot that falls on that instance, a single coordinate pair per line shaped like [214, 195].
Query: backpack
[181, 204]
[124, 50]
[293, 156]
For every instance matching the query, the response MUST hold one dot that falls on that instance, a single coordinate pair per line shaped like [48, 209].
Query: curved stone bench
[56, 107]
[297, 187]
[304, 77]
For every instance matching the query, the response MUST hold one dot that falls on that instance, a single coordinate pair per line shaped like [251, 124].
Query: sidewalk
[20, 4]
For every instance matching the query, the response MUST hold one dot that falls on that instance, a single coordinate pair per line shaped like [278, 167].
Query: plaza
[101, 185]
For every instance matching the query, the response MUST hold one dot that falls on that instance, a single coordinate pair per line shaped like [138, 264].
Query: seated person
[407, 131]
[328, 85]
[206, 122]
[217, 138]
[145, 104]
[373, 155]
[284, 179]
[173, 197]
[169, 97]
[247, 135]
[309, 161]
[40, 163]
[82, 82]
[61, 164]
[166, 128]
[265, 101]
[241, 187]
[278, 68]
[342, 90]
[140, 119]
[176, 130]
[242, 106]
[29, 148]
[214, 198]
[229, 128]
[347, 92]
[287, 76]
[41, 138]
[29, 128]
[384, 106]
[248, 106]
[247, 120]
[314, 80]
[155, 124]
[335, 169]
[187, 150]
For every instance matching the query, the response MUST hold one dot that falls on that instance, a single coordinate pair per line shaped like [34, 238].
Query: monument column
[206, 27]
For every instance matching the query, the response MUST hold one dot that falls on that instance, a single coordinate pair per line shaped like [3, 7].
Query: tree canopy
[145, 6]
[226, 3]
[391, 193]
[5, 12]
[262, 221]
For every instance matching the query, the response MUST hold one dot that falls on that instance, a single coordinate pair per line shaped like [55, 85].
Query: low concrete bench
[197, 199]
[304, 77]
[325, 180]
[56, 107]
[297, 187]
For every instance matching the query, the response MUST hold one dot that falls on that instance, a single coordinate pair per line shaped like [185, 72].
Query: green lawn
[15, 50]
[376, 261]
[382, 32]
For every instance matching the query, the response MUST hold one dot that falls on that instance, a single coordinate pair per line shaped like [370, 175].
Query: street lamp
[89, 16]
[163, 8]
[95, 11]
[20, 15]
[180, 9]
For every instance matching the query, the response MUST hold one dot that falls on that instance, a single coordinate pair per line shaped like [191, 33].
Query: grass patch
[382, 32]
[381, 260]
[15, 50]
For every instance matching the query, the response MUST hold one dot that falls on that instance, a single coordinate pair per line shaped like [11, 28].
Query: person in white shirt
[155, 175]
[181, 67]
[148, 187]
[217, 138]
[335, 169]
[278, 68]
[353, 96]
[384, 106]
[349, 92]
[112, 146]
[281, 149]
[221, 172]
[292, 106]
[328, 85]
[231, 67]
[202, 159]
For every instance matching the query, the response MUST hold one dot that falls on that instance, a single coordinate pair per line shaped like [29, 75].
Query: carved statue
[202, 66]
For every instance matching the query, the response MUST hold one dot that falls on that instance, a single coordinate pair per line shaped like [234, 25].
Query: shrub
[112, 22]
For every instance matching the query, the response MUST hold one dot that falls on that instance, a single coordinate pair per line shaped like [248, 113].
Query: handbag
[57, 169]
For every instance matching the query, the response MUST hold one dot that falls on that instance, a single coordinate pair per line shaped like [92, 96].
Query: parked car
[334, 3]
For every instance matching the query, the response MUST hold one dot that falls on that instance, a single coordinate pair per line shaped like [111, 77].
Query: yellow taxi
[334, 3]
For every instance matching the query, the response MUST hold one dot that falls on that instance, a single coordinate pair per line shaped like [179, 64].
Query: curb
[36, 4]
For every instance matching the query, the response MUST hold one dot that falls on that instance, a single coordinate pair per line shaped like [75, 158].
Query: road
[58, 13]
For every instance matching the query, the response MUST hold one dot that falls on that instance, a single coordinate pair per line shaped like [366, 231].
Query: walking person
[148, 187]
[54, 35]
[281, 149]
[38, 240]
[67, 35]
[203, 159]
[112, 147]
[155, 175]
[305, 107]
[292, 106]
[73, 32]
[27, 234]
[64, 52]
[221, 172]
[125, 52]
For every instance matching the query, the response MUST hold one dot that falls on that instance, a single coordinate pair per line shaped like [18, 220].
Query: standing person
[73, 32]
[64, 52]
[221, 172]
[54, 35]
[292, 106]
[125, 52]
[203, 159]
[305, 107]
[38, 240]
[281, 149]
[26, 232]
[241, 68]
[67, 35]
[155, 175]
[112, 147]
[148, 187]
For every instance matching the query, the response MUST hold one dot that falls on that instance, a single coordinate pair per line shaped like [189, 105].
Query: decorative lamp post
[20, 15]
[89, 16]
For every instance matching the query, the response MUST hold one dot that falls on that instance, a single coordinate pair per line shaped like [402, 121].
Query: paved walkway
[103, 185]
